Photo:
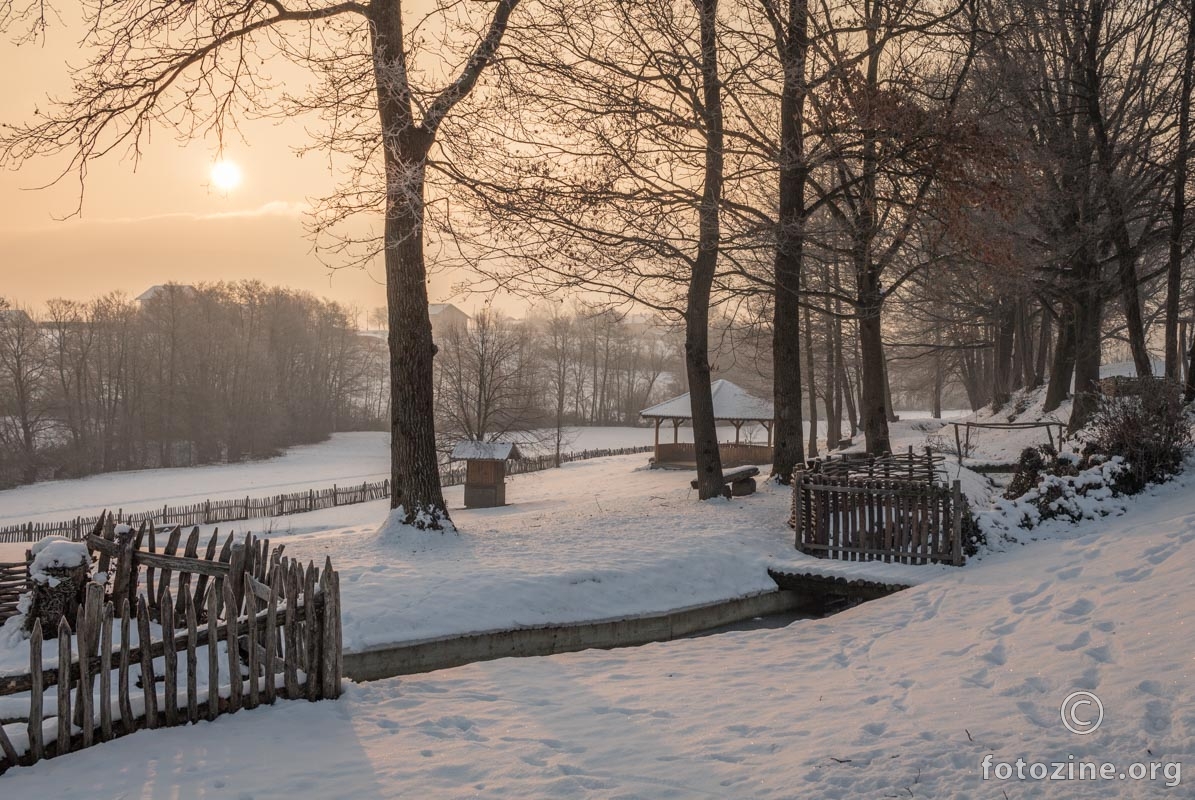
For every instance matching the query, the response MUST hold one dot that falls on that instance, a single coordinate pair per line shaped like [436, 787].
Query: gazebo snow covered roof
[731, 402]
[487, 451]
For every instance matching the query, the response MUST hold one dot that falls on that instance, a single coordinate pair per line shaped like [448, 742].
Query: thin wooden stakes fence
[855, 518]
[285, 645]
[215, 512]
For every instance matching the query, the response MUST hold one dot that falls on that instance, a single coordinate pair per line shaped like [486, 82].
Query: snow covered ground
[899, 697]
[346, 458]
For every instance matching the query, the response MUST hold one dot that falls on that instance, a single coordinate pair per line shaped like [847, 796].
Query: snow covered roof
[157, 289]
[730, 402]
[488, 451]
[435, 309]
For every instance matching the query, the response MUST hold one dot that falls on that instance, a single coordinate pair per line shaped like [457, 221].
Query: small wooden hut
[485, 471]
[732, 404]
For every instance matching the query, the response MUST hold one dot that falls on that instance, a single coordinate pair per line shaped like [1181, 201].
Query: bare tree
[192, 67]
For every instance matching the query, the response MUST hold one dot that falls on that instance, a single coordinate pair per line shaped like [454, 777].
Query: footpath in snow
[905, 696]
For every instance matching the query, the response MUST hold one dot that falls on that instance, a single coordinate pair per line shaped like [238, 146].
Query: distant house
[14, 316]
[163, 289]
[445, 317]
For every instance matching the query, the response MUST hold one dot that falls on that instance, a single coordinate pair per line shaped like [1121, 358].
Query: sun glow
[225, 175]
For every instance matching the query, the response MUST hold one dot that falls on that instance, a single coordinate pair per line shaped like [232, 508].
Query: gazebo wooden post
[767, 426]
[738, 425]
[657, 442]
[676, 431]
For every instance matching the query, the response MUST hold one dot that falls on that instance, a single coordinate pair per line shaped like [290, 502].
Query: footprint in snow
[1081, 640]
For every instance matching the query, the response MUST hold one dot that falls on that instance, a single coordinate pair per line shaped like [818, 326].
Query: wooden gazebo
[732, 404]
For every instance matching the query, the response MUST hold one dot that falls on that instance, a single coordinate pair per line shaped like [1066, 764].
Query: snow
[901, 696]
[345, 459]
[489, 451]
[730, 402]
[55, 552]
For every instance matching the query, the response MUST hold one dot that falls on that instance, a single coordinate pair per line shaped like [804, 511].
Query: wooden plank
[36, 745]
[234, 662]
[338, 642]
[251, 629]
[170, 668]
[956, 527]
[311, 619]
[63, 744]
[149, 571]
[201, 581]
[236, 579]
[106, 674]
[127, 723]
[291, 649]
[165, 579]
[184, 576]
[83, 711]
[271, 635]
[192, 657]
[87, 638]
[6, 749]
[213, 656]
[148, 679]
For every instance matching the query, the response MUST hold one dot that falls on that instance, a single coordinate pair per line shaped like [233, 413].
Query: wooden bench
[740, 481]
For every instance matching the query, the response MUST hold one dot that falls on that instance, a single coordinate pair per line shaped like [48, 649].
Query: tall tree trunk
[1062, 369]
[697, 309]
[939, 374]
[786, 326]
[812, 373]
[1088, 315]
[1043, 347]
[1002, 370]
[1174, 267]
[414, 467]
[833, 391]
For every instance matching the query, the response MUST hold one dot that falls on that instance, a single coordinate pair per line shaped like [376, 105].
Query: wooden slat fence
[14, 579]
[214, 512]
[859, 518]
[925, 466]
[239, 630]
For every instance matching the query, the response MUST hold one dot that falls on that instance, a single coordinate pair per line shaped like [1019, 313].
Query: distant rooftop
[157, 289]
[434, 309]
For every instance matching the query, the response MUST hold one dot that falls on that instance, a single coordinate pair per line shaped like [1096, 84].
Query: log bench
[740, 481]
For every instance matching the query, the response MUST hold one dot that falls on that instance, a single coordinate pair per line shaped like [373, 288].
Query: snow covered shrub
[1149, 429]
[1050, 485]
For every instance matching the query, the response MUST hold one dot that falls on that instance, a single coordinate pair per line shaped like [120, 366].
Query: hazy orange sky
[162, 222]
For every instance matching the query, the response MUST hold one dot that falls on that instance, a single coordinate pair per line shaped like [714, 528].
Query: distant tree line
[219, 372]
[532, 378]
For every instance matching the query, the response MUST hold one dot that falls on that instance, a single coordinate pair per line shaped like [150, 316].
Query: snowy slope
[899, 697]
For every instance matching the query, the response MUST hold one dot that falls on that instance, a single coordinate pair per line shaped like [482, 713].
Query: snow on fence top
[731, 402]
[487, 451]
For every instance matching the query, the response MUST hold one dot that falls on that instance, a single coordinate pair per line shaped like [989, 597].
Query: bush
[1150, 429]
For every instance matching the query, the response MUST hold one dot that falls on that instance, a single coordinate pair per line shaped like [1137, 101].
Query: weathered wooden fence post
[956, 527]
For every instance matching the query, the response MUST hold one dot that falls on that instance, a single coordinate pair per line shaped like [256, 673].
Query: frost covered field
[899, 697]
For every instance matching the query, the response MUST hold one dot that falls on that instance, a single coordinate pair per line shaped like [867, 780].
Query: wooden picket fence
[860, 518]
[214, 512]
[14, 578]
[261, 625]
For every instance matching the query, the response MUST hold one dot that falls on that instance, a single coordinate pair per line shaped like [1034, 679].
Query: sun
[225, 175]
